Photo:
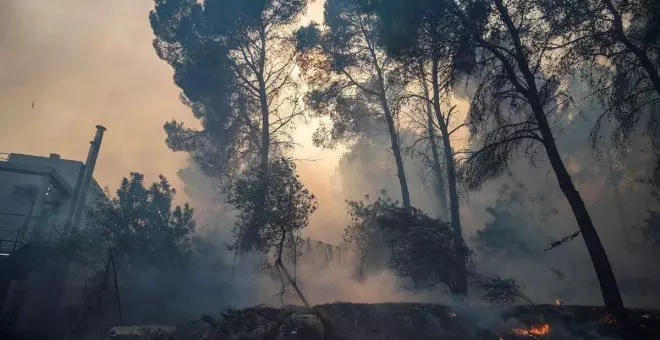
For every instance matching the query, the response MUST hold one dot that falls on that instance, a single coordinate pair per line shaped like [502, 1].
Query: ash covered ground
[340, 321]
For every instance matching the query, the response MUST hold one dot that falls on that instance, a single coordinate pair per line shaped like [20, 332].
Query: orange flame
[557, 302]
[534, 330]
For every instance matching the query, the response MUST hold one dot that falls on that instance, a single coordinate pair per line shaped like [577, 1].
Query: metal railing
[10, 240]
[13, 233]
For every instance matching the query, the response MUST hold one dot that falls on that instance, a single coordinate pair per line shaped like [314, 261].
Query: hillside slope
[340, 321]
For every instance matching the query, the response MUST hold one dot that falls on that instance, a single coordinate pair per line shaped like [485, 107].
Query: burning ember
[557, 302]
[608, 319]
[534, 330]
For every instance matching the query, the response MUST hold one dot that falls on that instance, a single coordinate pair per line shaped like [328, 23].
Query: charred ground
[342, 321]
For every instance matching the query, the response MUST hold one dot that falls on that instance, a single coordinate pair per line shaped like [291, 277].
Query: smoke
[634, 263]
[85, 63]
[564, 273]
[325, 272]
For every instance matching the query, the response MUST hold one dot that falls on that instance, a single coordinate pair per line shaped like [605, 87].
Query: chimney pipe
[87, 173]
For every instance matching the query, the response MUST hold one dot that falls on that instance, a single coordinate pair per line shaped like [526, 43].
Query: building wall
[18, 192]
[56, 283]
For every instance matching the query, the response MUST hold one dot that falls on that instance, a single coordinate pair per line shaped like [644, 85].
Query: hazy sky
[89, 62]
[85, 63]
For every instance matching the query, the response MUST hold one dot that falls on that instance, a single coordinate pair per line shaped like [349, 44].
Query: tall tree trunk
[437, 167]
[391, 127]
[608, 285]
[250, 238]
[461, 249]
[606, 278]
[396, 150]
[617, 200]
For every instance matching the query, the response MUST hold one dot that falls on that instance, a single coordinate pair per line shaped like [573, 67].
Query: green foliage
[288, 203]
[420, 248]
[513, 229]
[141, 227]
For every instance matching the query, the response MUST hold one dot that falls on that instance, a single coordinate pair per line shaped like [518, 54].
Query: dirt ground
[427, 321]
[410, 321]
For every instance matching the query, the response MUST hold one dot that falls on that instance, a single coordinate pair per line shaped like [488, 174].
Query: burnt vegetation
[469, 89]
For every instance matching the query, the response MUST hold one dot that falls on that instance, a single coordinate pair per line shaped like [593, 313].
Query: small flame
[452, 314]
[557, 302]
[534, 330]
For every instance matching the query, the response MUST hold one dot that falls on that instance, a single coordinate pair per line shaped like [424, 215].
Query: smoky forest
[333, 169]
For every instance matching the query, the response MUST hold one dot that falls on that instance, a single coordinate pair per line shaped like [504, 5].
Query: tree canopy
[222, 53]
[416, 247]
[352, 78]
[141, 227]
[288, 203]
[375, 68]
[514, 99]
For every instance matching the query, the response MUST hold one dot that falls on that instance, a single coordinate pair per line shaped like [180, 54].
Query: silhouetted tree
[363, 231]
[141, 227]
[501, 291]
[288, 207]
[350, 76]
[652, 228]
[417, 247]
[234, 62]
[507, 45]
[512, 105]
[418, 34]
[432, 136]
[513, 228]
[288, 202]
[616, 45]
[621, 164]
[422, 249]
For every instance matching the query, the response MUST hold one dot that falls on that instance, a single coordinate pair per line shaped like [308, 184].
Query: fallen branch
[563, 240]
[280, 265]
[292, 282]
[558, 273]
